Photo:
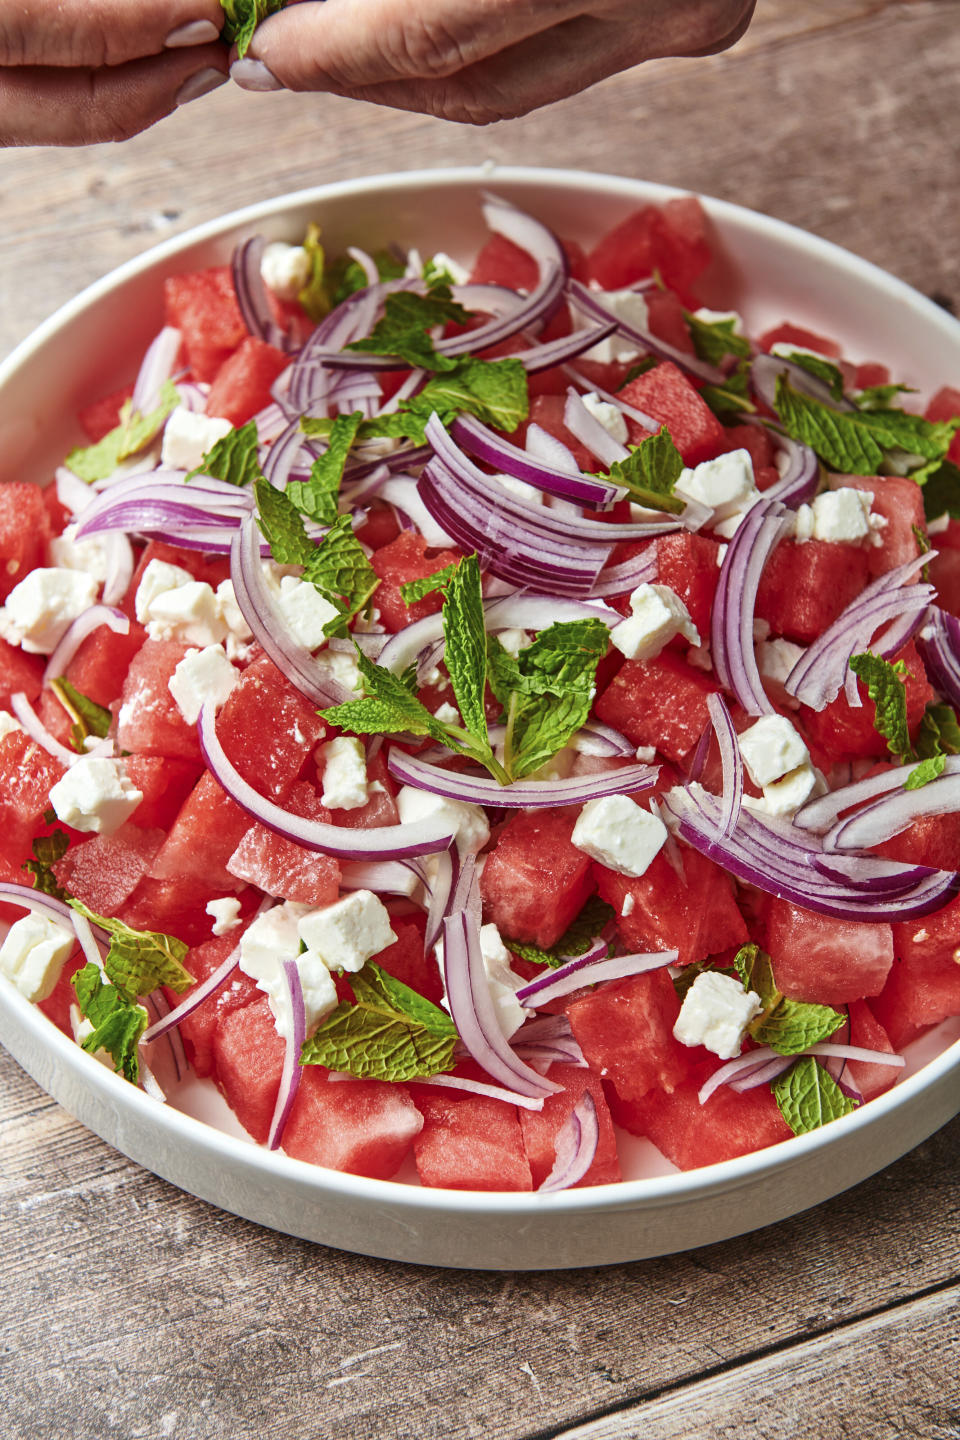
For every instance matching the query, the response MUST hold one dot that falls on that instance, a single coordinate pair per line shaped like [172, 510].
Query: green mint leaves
[787, 1026]
[345, 276]
[466, 648]
[233, 458]
[885, 686]
[282, 526]
[413, 590]
[938, 737]
[941, 492]
[319, 496]
[926, 771]
[595, 916]
[387, 708]
[242, 19]
[133, 434]
[650, 472]
[47, 851]
[139, 960]
[713, 340]
[731, 399]
[808, 1096]
[88, 717]
[404, 327]
[822, 369]
[118, 1022]
[391, 1033]
[858, 442]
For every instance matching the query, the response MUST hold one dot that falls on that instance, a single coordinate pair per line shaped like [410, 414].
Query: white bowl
[771, 272]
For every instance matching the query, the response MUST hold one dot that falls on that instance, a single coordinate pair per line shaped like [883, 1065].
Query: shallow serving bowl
[770, 272]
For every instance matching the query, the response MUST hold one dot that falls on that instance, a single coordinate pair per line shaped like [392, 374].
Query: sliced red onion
[120, 566]
[778, 858]
[384, 842]
[622, 578]
[87, 938]
[366, 262]
[389, 877]
[477, 1087]
[75, 634]
[589, 431]
[765, 371]
[292, 1069]
[402, 492]
[597, 739]
[764, 1074]
[208, 987]
[939, 646]
[587, 970]
[557, 352]
[589, 304]
[751, 1062]
[731, 635]
[892, 814]
[856, 1052]
[149, 1083]
[801, 478]
[731, 763]
[576, 1146]
[158, 1005]
[37, 731]
[37, 901]
[156, 366]
[482, 790]
[252, 293]
[640, 416]
[284, 453]
[509, 459]
[442, 888]
[473, 1010]
[541, 445]
[258, 608]
[699, 761]
[820, 814]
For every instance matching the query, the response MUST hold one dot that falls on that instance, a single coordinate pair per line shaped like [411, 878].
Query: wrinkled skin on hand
[478, 61]
[73, 72]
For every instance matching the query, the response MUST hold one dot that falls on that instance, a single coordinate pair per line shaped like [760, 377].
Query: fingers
[46, 106]
[94, 33]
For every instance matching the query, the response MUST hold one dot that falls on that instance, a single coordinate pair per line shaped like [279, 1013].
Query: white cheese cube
[447, 714]
[502, 981]
[202, 677]
[842, 514]
[156, 578]
[458, 274]
[91, 556]
[272, 939]
[347, 933]
[618, 834]
[468, 821]
[657, 616]
[716, 1011]
[239, 633]
[189, 613]
[34, 952]
[607, 415]
[777, 658]
[44, 605]
[285, 269]
[628, 306]
[95, 795]
[188, 435]
[8, 724]
[344, 774]
[771, 748]
[786, 795]
[225, 913]
[726, 484]
[305, 611]
[341, 667]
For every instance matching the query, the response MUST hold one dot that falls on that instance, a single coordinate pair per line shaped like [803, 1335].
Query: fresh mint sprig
[389, 1033]
[118, 1021]
[132, 434]
[808, 1096]
[859, 442]
[139, 960]
[234, 457]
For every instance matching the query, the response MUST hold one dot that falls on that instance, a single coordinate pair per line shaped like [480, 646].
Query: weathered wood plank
[828, 1386]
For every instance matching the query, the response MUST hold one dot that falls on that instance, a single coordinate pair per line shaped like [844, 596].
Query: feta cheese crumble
[628, 306]
[305, 611]
[772, 748]
[345, 784]
[619, 834]
[225, 913]
[725, 484]
[44, 605]
[468, 821]
[174, 606]
[95, 795]
[715, 1013]
[657, 615]
[203, 677]
[188, 435]
[273, 938]
[285, 269]
[349, 932]
[837, 515]
[33, 954]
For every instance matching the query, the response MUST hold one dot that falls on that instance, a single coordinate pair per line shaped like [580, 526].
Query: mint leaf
[88, 717]
[313, 297]
[715, 339]
[888, 692]
[941, 492]
[387, 708]
[338, 567]
[731, 399]
[318, 497]
[407, 319]
[243, 17]
[495, 391]
[398, 425]
[821, 369]
[466, 645]
[787, 1026]
[133, 434]
[648, 362]
[879, 397]
[808, 1096]
[139, 960]
[856, 442]
[689, 973]
[233, 458]
[595, 916]
[939, 732]
[47, 850]
[391, 1033]
[118, 1022]
[345, 276]
[926, 771]
[282, 525]
[413, 590]
[650, 472]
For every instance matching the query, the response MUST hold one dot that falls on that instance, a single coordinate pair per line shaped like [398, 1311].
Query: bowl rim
[680, 1186]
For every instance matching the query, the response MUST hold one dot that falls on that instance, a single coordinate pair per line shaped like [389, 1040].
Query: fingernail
[253, 75]
[200, 84]
[198, 32]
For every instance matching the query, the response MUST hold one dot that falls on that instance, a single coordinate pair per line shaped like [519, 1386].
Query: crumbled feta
[347, 933]
[921, 936]
[239, 634]
[657, 615]
[786, 795]
[202, 677]
[44, 605]
[174, 606]
[838, 515]
[458, 274]
[225, 913]
[772, 748]
[777, 658]
[156, 578]
[609, 416]
[341, 667]
[34, 952]
[273, 938]
[514, 640]
[646, 754]
[95, 795]
[468, 821]
[716, 1011]
[726, 484]
[619, 834]
[720, 317]
[502, 981]
[628, 306]
[345, 784]
[305, 611]
[285, 269]
[447, 714]
[92, 556]
[8, 724]
[188, 435]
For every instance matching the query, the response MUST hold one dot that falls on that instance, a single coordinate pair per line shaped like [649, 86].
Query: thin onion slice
[208, 987]
[483, 790]
[491, 448]
[292, 1072]
[75, 634]
[35, 728]
[587, 970]
[731, 631]
[731, 762]
[892, 814]
[821, 813]
[478, 1087]
[939, 645]
[576, 1146]
[590, 304]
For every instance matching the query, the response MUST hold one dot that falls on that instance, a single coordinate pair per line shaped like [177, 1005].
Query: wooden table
[128, 1309]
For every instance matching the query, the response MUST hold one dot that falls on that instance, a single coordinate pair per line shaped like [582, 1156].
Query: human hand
[74, 72]
[477, 61]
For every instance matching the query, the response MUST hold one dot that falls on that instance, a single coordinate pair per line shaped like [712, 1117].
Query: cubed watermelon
[667, 395]
[535, 880]
[148, 720]
[900, 503]
[688, 564]
[248, 1062]
[945, 405]
[242, 384]
[697, 916]
[865, 1030]
[469, 1142]
[789, 334]
[103, 415]
[105, 870]
[24, 532]
[202, 839]
[363, 1127]
[19, 672]
[541, 1127]
[625, 1030]
[26, 774]
[841, 731]
[824, 960]
[407, 558]
[924, 982]
[804, 587]
[202, 305]
[279, 866]
[164, 785]
[660, 702]
[198, 1029]
[99, 666]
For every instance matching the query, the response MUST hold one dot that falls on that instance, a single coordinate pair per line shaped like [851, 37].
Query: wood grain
[128, 1309]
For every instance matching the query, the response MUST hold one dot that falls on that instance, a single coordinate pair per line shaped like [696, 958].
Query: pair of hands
[73, 72]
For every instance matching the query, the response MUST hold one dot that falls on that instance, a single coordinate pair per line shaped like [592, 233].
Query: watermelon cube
[172, 907]
[24, 532]
[688, 564]
[148, 720]
[26, 775]
[667, 395]
[202, 305]
[469, 1142]
[202, 839]
[164, 784]
[99, 666]
[660, 702]
[243, 382]
[822, 959]
[899, 502]
[407, 558]
[945, 405]
[294, 729]
[924, 983]
[104, 870]
[363, 1127]
[841, 731]
[198, 1030]
[248, 1059]
[279, 866]
[787, 334]
[541, 1128]
[103, 415]
[697, 916]
[535, 880]
[19, 672]
[804, 588]
[865, 1030]
[625, 1030]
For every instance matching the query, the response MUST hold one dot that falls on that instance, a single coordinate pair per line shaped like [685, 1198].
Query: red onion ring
[37, 731]
[251, 293]
[586, 970]
[477, 440]
[208, 987]
[939, 646]
[75, 634]
[292, 1072]
[731, 631]
[576, 1146]
[156, 366]
[477, 1087]
[482, 790]
[589, 431]
[731, 762]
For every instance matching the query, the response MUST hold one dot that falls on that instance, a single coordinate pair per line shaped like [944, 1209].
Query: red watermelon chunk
[164, 784]
[202, 305]
[26, 775]
[667, 395]
[865, 1030]
[469, 1142]
[697, 916]
[99, 666]
[945, 574]
[198, 1029]
[788, 334]
[103, 415]
[294, 729]
[535, 880]
[804, 587]
[381, 807]
[248, 1062]
[900, 503]
[172, 907]
[924, 983]
[688, 564]
[279, 866]
[363, 1127]
[823, 960]
[242, 385]
[407, 558]
[840, 731]
[24, 532]
[500, 262]
[148, 721]
[541, 1128]
[19, 672]
[625, 1030]
[105, 870]
[660, 702]
[202, 839]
